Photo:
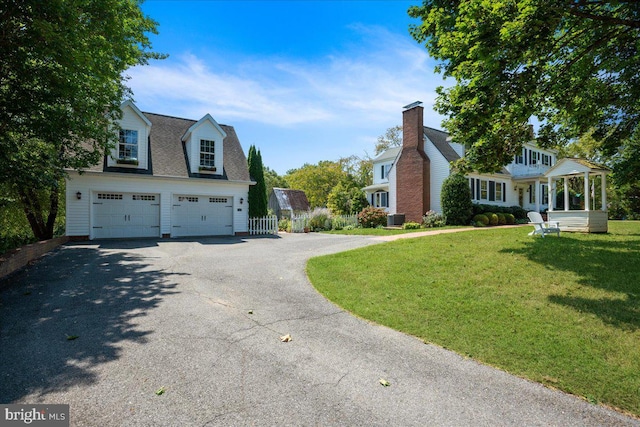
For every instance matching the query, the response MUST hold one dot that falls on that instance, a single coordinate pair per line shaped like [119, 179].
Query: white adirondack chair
[541, 227]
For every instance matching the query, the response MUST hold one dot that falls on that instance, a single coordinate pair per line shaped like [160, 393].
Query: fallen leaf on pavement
[384, 382]
[286, 338]
[160, 391]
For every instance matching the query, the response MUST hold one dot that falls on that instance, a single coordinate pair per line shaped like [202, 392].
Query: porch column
[537, 195]
[587, 192]
[552, 193]
[604, 191]
[566, 193]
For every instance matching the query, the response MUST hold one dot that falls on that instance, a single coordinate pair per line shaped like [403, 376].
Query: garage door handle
[97, 227]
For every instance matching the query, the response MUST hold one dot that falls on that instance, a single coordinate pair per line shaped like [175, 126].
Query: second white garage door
[201, 216]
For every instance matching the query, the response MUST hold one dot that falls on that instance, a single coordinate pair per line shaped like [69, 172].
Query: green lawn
[561, 311]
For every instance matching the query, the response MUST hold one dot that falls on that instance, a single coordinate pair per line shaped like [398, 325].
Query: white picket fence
[264, 225]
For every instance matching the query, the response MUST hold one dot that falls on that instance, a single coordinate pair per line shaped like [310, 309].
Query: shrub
[284, 225]
[493, 218]
[480, 220]
[502, 220]
[456, 200]
[410, 226]
[319, 219]
[510, 219]
[371, 217]
[433, 219]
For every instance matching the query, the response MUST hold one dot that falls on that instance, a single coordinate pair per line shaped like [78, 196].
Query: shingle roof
[167, 155]
[439, 140]
[288, 199]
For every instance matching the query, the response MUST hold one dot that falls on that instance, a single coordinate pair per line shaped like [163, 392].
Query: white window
[498, 192]
[128, 145]
[385, 171]
[484, 190]
[381, 199]
[207, 153]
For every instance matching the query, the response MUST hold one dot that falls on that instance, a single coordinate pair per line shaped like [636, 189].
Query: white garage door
[121, 215]
[201, 216]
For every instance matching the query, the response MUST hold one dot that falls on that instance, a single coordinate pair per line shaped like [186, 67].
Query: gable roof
[439, 140]
[294, 200]
[167, 156]
[206, 118]
[575, 166]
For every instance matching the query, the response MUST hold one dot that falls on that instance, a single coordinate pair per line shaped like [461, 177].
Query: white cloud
[367, 84]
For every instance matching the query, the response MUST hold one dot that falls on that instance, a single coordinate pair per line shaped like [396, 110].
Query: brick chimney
[413, 167]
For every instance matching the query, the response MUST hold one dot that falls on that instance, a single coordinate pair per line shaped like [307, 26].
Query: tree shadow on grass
[70, 312]
[599, 261]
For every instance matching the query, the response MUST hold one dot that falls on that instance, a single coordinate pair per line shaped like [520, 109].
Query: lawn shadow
[599, 261]
[70, 312]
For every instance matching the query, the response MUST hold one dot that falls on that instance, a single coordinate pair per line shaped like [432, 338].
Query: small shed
[593, 215]
[286, 202]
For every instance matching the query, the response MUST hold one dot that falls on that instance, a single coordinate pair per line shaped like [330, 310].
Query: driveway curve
[187, 333]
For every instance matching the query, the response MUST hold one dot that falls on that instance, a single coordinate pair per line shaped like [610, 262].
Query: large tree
[572, 65]
[61, 85]
[316, 181]
[391, 138]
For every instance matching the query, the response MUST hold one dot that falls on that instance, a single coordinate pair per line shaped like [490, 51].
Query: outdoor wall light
[78, 195]
[241, 200]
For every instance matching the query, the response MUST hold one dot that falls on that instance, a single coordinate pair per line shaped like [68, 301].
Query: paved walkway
[441, 231]
[104, 326]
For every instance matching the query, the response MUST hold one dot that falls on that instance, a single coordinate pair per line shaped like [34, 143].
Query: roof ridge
[437, 130]
[181, 118]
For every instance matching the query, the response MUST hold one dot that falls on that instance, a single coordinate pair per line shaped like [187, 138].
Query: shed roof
[294, 200]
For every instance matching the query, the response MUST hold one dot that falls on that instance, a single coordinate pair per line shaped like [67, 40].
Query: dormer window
[128, 146]
[207, 154]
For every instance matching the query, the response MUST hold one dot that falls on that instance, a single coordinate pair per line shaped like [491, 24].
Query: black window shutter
[473, 189]
[492, 191]
[504, 192]
[478, 188]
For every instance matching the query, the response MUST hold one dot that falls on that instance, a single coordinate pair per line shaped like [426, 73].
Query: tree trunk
[34, 211]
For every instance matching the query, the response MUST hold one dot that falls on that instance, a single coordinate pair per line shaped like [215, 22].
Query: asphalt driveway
[104, 326]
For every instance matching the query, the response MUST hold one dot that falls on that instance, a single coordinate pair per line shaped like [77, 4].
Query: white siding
[79, 212]
[206, 130]
[131, 120]
[439, 172]
[392, 191]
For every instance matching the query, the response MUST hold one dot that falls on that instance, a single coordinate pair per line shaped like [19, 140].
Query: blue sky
[304, 81]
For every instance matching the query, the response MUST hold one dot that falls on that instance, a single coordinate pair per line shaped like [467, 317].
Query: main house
[408, 180]
[166, 177]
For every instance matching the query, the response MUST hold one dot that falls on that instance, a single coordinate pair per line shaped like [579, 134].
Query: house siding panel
[439, 172]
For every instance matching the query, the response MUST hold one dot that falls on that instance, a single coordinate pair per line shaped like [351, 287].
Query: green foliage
[411, 226]
[371, 217]
[258, 202]
[481, 220]
[510, 219]
[502, 220]
[516, 211]
[284, 225]
[345, 200]
[62, 82]
[456, 199]
[493, 218]
[273, 180]
[316, 181]
[391, 138]
[433, 219]
[516, 60]
[319, 219]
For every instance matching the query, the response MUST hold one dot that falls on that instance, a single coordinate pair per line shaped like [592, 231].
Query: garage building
[167, 177]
